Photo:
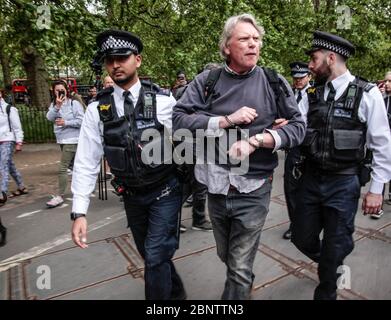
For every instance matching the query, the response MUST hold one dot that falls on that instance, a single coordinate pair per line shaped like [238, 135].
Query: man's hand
[372, 203]
[240, 150]
[279, 123]
[79, 232]
[243, 115]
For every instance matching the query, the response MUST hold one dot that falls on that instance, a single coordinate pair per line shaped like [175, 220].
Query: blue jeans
[328, 203]
[237, 221]
[153, 220]
[7, 166]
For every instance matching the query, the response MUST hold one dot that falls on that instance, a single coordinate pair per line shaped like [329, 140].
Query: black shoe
[3, 233]
[3, 199]
[204, 226]
[182, 228]
[287, 234]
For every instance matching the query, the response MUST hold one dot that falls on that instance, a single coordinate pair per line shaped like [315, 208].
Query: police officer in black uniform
[346, 115]
[301, 76]
[126, 120]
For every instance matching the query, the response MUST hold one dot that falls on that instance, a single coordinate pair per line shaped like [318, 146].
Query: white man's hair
[229, 26]
[388, 73]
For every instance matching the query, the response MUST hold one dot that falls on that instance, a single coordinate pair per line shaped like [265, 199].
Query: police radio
[148, 105]
[350, 97]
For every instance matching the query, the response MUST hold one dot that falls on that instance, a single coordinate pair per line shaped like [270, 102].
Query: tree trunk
[316, 5]
[37, 78]
[330, 6]
[5, 65]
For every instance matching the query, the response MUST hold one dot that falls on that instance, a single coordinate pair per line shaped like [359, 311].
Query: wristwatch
[74, 215]
[259, 138]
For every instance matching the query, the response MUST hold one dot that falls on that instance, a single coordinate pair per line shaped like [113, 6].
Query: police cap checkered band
[299, 69]
[328, 41]
[117, 42]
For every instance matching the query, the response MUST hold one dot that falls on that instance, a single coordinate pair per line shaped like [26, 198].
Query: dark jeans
[328, 203]
[154, 225]
[237, 221]
[291, 184]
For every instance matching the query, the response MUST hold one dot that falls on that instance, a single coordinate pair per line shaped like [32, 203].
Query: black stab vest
[131, 157]
[335, 139]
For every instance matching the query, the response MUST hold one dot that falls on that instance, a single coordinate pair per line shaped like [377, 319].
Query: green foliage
[184, 34]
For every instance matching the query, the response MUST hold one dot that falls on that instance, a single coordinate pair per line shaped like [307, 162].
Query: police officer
[345, 114]
[114, 125]
[301, 77]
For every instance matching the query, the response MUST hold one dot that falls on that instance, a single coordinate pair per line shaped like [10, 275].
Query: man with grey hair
[242, 100]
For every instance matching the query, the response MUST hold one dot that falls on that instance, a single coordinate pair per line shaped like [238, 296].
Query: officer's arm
[291, 134]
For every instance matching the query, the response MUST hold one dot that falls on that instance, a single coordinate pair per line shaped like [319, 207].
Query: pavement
[41, 262]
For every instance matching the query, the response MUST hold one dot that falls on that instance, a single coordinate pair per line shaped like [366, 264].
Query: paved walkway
[112, 269]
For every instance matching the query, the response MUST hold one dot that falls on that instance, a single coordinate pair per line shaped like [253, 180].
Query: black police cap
[332, 42]
[118, 43]
[299, 69]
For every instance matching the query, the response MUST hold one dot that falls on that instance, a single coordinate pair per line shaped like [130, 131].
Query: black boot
[3, 234]
[3, 199]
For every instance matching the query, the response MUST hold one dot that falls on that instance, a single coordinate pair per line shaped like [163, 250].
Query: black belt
[346, 172]
[148, 188]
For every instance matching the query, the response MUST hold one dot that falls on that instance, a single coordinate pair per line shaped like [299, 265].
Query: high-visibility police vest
[335, 138]
[123, 143]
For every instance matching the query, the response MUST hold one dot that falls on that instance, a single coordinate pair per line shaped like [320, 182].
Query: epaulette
[365, 84]
[147, 83]
[164, 92]
[369, 86]
[108, 90]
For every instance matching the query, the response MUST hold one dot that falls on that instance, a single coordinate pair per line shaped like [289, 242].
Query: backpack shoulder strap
[275, 82]
[210, 82]
[8, 110]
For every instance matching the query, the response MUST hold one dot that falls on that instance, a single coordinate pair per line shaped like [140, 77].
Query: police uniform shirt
[303, 103]
[373, 112]
[90, 149]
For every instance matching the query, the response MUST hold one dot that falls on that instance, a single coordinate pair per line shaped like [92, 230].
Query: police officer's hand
[372, 203]
[279, 123]
[240, 150]
[243, 115]
[79, 232]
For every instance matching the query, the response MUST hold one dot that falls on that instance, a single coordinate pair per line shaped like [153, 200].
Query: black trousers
[326, 203]
[199, 192]
[291, 185]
